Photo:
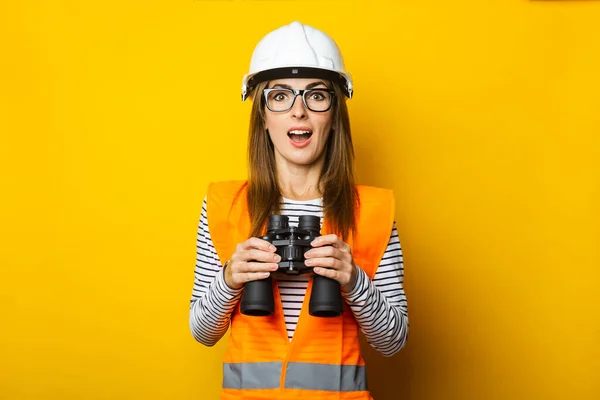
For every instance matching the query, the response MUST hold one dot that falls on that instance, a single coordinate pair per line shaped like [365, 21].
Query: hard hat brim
[342, 79]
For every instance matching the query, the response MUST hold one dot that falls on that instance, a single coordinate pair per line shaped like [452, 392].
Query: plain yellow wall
[483, 116]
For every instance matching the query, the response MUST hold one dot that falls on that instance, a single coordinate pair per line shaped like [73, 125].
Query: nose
[298, 109]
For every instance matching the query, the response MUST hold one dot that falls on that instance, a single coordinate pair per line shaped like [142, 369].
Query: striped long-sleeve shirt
[379, 306]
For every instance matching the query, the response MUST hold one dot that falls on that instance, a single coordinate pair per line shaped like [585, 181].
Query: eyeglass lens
[283, 99]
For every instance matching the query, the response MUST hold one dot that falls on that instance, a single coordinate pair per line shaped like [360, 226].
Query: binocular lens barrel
[326, 298]
[309, 223]
[257, 298]
[278, 222]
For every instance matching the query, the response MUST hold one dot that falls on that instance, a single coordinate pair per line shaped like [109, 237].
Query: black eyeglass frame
[297, 92]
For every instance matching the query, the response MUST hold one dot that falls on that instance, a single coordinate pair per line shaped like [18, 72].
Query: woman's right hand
[253, 259]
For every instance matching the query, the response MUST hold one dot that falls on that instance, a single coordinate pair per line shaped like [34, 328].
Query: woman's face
[299, 135]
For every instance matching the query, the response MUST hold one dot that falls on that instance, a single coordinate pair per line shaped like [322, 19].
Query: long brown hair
[337, 179]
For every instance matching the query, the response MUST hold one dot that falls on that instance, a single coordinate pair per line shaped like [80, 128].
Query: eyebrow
[309, 86]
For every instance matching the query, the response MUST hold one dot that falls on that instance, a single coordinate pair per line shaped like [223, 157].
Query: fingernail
[272, 248]
[277, 258]
[314, 242]
[308, 262]
[275, 267]
[265, 274]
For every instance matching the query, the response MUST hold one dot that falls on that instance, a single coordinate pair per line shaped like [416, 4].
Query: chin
[301, 160]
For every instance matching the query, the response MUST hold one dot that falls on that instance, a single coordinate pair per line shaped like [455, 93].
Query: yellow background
[483, 116]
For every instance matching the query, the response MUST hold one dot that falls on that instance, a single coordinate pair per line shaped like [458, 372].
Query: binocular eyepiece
[292, 243]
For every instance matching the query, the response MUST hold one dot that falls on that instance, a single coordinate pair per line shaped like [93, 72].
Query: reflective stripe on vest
[307, 376]
[259, 375]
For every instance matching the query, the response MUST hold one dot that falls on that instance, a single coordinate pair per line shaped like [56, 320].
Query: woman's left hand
[332, 257]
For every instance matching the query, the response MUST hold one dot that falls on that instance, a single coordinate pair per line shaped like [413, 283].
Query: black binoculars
[292, 243]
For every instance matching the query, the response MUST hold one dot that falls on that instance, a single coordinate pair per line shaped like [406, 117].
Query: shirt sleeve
[380, 305]
[212, 299]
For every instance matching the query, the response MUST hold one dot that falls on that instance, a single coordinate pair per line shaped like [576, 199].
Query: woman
[301, 162]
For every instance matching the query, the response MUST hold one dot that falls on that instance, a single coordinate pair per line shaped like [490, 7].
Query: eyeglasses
[279, 99]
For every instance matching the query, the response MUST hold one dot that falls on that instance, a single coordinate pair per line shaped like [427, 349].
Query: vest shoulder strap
[221, 199]
[374, 226]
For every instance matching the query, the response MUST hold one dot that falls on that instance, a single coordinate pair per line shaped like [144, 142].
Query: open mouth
[299, 136]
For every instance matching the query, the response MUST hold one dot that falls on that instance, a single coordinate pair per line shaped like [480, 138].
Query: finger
[260, 255]
[324, 240]
[260, 244]
[327, 251]
[328, 273]
[260, 267]
[250, 276]
[331, 239]
[327, 262]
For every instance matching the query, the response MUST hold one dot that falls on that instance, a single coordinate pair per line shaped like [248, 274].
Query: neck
[299, 182]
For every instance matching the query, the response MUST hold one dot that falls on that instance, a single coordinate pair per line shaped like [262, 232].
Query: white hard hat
[296, 51]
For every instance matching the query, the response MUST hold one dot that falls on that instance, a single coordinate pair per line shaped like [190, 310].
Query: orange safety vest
[323, 361]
